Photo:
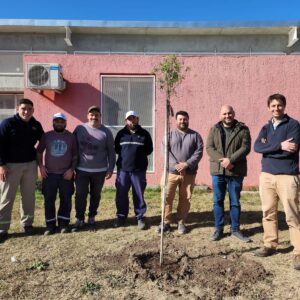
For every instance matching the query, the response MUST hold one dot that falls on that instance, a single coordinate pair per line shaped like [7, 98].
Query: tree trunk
[165, 177]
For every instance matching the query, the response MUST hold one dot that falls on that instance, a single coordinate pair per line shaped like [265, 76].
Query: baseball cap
[94, 107]
[131, 113]
[59, 116]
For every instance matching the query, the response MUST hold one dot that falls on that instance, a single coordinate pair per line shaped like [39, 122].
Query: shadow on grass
[36, 231]
[200, 220]
[195, 220]
[203, 219]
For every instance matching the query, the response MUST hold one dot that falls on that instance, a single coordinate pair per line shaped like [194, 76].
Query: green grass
[79, 267]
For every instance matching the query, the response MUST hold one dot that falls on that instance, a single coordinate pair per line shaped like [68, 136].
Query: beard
[59, 129]
[183, 126]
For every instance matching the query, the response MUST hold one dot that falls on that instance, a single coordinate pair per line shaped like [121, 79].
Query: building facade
[110, 64]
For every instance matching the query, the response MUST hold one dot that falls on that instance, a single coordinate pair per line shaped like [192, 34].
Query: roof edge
[147, 24]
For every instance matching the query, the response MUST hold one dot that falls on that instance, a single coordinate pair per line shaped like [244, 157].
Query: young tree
[169, 74]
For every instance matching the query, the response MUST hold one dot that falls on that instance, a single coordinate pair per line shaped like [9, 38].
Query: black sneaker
[237, 234]
[119, 222]
[3, 236]
[49, 230]
[28, 230]
[64, 229]
[217, 235]
[91, 221]
[166, 228]
[79, 224]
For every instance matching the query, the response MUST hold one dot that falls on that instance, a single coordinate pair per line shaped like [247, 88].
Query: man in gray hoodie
[185, 152]
[96, 163]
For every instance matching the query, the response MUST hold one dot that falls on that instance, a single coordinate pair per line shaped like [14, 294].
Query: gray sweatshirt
[95, 148]
[185, 147]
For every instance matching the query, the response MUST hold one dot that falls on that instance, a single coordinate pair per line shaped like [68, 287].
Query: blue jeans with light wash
[234, 184]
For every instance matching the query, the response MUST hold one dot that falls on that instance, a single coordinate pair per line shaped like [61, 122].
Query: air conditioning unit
[44, 76]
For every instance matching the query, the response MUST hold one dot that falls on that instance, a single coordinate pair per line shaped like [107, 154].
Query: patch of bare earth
[207, 273]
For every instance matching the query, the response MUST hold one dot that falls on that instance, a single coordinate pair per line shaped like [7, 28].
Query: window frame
[17, 97]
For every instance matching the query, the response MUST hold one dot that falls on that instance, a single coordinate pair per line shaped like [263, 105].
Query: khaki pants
[272, 189]
[186, 184]
[23, 174]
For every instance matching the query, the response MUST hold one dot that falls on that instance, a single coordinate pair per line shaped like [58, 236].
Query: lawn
[122, 263]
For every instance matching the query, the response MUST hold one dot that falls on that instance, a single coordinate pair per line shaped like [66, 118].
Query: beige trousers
[272, 189]
[186, 185]
[23, 174]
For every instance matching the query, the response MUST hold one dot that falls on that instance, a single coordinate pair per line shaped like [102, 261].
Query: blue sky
[154, 10]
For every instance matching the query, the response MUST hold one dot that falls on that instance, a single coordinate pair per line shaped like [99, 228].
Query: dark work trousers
[88, 182]
[124, 181]
[50, 186]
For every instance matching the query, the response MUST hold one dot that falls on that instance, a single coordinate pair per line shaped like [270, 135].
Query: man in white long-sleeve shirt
[96, 163]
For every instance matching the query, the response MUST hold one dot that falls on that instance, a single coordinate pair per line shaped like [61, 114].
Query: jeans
[124, 181]
[88, 182]
[234, 186]
[50, 186]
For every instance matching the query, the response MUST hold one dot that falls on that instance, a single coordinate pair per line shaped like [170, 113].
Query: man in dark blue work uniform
[132, 144]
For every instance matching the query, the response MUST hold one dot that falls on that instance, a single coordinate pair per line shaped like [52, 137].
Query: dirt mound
[206, 277]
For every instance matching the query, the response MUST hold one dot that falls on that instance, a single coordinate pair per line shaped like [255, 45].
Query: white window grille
[123, 93]
[8, 104]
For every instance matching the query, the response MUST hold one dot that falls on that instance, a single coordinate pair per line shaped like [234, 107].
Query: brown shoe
[264, 252]
[297, 262]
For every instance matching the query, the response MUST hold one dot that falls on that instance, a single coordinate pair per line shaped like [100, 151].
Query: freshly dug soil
[206, 274]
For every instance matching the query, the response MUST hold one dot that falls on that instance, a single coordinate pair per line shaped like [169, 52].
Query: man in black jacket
[18, 166]
[132, 144]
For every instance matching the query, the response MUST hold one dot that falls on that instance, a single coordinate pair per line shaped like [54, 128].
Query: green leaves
[39, 265]
[90, 288]
[169, 74]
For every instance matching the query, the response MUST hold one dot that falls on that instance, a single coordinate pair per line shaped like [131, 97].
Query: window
[8, 104]
[123, 93]
[11, 62]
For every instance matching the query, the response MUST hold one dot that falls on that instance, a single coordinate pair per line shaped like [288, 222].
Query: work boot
[166, 228]
[297, 262]
[182, 229]
[238, 234]
[264, 252]
[217, 235]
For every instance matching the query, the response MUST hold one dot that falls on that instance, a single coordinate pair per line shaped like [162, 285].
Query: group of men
[90, 154]
[85, 157]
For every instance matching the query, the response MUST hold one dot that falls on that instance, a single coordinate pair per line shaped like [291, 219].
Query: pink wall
[243, 82]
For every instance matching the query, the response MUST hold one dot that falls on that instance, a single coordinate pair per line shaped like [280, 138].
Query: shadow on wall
[75, 99]
[111, 110]
[78, 97]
